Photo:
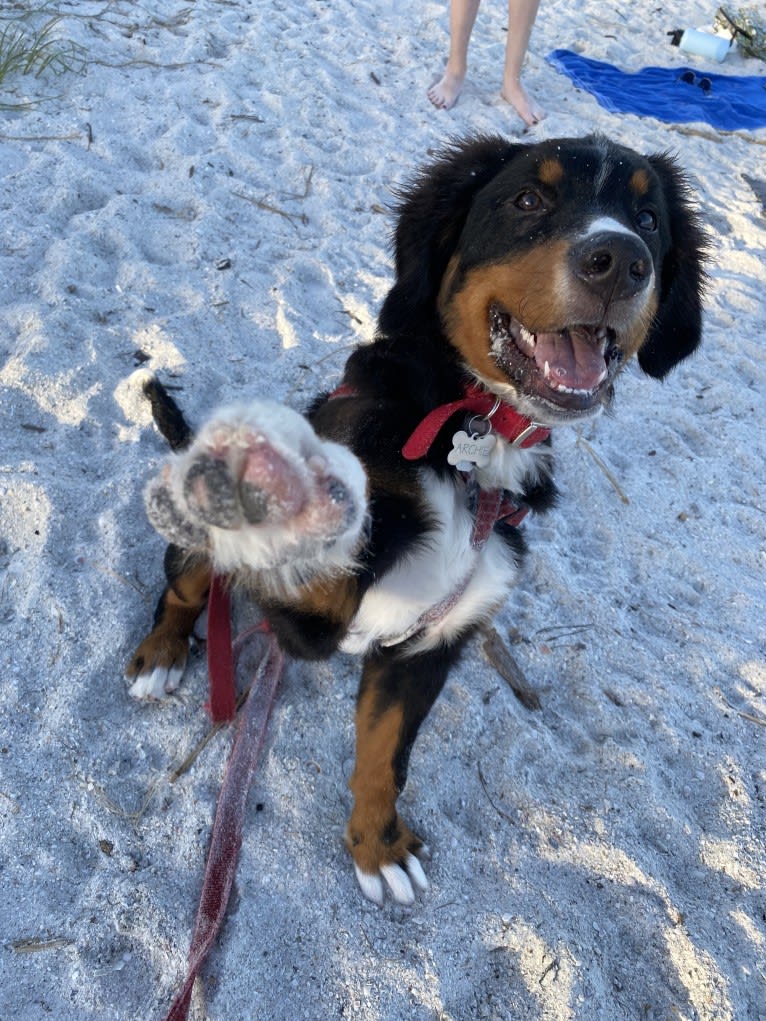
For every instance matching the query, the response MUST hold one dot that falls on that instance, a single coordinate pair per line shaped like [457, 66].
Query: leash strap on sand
[226, 839]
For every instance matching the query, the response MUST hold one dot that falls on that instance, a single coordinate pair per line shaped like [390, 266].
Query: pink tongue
[572, 359]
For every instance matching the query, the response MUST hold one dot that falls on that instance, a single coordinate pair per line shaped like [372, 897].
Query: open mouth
[570, 368]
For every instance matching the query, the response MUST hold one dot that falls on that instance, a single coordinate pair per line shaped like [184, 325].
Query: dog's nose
[613, 266]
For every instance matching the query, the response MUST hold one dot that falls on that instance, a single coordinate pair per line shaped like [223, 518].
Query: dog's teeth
[546, 370]
[602, 335]
[529, 338]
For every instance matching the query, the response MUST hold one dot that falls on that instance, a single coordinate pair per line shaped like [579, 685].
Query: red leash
[226, 838]
[220, 657]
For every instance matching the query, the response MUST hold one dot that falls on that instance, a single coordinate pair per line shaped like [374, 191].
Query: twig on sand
[178, 66]
[581, 441]
[719, 136]
[499, 655]
[306, 186]
[269, 208]
[554, 633]
[500, 812]
[306, 369]
[110, 573]
[34, 946]
[134, 818]
[746, 716]
[189, 760]
[40, 138]
[297, 196]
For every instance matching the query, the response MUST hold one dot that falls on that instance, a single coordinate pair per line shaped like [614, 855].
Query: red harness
[517, 429]
[491, 505]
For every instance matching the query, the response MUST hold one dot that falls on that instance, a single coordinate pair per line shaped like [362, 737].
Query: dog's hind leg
[395, 695]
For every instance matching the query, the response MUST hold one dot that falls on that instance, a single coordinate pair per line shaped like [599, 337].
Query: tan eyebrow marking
[551, 171]
[639, 183]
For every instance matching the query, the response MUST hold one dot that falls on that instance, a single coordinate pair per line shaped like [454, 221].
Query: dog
[385, 521]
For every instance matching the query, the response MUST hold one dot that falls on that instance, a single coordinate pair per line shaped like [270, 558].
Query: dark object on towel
[673, 94]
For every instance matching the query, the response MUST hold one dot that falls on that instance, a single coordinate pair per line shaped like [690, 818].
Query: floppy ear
[677, 327]
[430, 218]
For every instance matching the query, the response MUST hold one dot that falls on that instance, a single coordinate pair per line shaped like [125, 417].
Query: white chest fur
[445, 564]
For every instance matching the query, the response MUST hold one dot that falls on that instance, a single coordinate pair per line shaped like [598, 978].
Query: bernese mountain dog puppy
[385, 521]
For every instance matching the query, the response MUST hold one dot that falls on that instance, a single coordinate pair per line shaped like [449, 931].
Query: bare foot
[445, 92]
[513, 92]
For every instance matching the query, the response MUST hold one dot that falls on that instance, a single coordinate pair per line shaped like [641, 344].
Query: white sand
[602, 859]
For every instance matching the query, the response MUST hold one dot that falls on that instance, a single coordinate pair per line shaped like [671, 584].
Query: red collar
[506, 422]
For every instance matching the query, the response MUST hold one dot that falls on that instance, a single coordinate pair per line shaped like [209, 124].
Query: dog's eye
[646, 220]
[528, 201]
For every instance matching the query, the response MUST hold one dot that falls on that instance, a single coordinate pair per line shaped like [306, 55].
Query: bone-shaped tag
[468, 451]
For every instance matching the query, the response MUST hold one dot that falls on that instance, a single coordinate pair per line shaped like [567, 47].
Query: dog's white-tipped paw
[371, 885]
[416, 873]
[399, 884]
[156, 684]
[404, 881]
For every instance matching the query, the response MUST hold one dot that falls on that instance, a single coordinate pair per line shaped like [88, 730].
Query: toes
[403, 880]
[340, 498]
[399, 884]
[157, 667]
[416, 873]
[169, 521]
[210, 492]
[371, 885]
[255, 503]
[155, 684]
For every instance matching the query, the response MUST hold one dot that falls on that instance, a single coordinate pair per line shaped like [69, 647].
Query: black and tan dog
[384, 521]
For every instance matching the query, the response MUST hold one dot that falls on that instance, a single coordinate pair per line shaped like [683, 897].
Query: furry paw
[157, 667]
[259, 489]
[388, 861]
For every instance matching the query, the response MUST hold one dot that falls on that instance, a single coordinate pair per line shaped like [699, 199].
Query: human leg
[462, 17]
[521, 18]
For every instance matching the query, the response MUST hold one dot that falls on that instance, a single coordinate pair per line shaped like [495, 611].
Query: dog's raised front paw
[259, 489]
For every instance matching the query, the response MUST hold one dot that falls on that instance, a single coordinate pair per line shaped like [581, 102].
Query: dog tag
[470, 451]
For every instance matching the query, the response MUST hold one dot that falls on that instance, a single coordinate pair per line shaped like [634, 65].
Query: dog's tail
[168, 417]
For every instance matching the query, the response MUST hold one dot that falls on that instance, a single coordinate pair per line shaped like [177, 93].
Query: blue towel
[672, 94]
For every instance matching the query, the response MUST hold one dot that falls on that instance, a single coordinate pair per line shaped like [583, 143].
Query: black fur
[168, 417]
[677, 327]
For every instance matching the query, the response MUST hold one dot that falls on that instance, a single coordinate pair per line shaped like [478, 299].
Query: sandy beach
[205, 194]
